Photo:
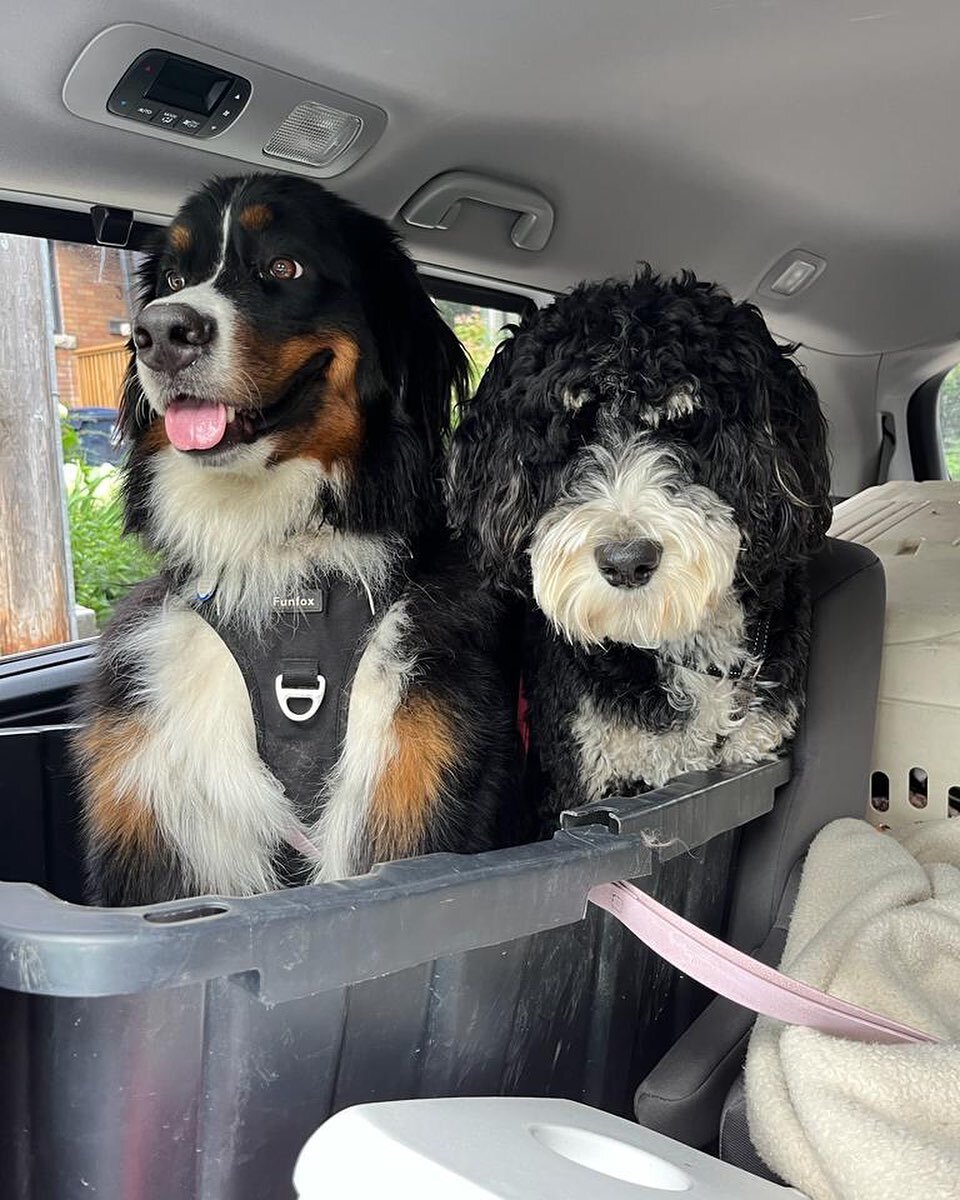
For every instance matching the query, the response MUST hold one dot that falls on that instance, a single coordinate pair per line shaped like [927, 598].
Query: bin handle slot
[689, 810]
[195, 912]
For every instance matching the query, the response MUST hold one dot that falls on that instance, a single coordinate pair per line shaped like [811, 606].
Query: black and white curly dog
[313, 683]
[649, 466]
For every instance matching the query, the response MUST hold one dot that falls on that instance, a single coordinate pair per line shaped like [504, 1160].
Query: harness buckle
[314, 696]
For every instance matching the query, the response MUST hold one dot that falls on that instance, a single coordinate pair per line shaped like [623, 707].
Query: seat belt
[743, 979]
[888, 444]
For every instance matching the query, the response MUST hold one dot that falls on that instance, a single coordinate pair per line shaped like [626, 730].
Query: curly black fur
[603, 365]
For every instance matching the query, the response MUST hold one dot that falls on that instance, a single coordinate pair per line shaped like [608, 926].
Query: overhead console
[179, 94]
[164, 86]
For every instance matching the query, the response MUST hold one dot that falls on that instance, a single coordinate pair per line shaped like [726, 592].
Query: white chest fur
[198, 768]
[720, 720]
[255, 532]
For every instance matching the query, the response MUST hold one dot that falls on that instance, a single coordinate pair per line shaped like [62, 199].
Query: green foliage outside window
[950, 421]
[106, 562]
[480, 331]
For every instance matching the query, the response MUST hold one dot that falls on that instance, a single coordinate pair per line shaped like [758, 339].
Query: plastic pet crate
[914, 529]
[188, 1050]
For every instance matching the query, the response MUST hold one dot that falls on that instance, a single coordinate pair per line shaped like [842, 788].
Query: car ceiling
[712, 134]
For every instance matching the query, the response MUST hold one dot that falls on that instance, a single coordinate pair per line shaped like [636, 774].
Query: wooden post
[35, 590]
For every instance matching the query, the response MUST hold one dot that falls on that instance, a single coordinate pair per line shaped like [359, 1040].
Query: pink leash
[724, 970]
[741, 978]
[299, 841]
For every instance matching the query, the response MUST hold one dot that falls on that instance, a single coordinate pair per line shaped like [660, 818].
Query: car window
[64, 559]
[948, 417]
[480, 329]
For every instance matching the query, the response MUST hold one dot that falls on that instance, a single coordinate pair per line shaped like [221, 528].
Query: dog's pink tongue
[192, 425]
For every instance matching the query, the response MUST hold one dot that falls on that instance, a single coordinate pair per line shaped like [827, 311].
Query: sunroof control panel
[179, 95]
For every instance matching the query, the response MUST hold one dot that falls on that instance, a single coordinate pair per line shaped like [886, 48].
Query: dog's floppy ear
[801, 463]
[495, 483]
[436, 375]
[422, 363]
[407, 382]
[775, 457]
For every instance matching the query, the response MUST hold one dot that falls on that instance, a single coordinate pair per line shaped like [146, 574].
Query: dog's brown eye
[174, 281]
[284, 268]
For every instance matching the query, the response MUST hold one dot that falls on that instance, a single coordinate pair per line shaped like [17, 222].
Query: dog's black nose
[169, 337]
[628, 564]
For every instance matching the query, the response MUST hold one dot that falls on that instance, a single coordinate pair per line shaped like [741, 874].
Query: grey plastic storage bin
[187, 1050]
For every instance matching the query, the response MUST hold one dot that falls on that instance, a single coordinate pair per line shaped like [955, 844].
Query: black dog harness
[299, 671]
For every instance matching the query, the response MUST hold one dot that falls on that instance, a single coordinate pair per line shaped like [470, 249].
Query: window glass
[64, 561]
[480, 330]
[948, 415]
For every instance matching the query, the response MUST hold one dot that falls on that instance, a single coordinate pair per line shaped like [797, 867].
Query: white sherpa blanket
[877, 922]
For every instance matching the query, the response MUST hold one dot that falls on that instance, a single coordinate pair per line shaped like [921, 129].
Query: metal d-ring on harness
[298, 671]
[299, 681]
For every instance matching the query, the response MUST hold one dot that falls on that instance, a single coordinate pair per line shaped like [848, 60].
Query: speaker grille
[313, 135]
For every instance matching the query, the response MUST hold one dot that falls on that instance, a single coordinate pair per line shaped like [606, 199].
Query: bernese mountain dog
[315, 681]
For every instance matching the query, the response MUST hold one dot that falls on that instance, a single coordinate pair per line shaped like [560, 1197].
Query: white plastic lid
[500, 1148]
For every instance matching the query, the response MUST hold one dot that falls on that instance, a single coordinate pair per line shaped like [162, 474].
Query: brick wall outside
[91, 293]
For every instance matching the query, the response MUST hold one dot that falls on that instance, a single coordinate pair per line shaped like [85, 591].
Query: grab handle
[437, 205]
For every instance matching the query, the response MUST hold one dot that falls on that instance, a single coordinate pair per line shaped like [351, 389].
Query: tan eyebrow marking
[180, 238]
[256, 217]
